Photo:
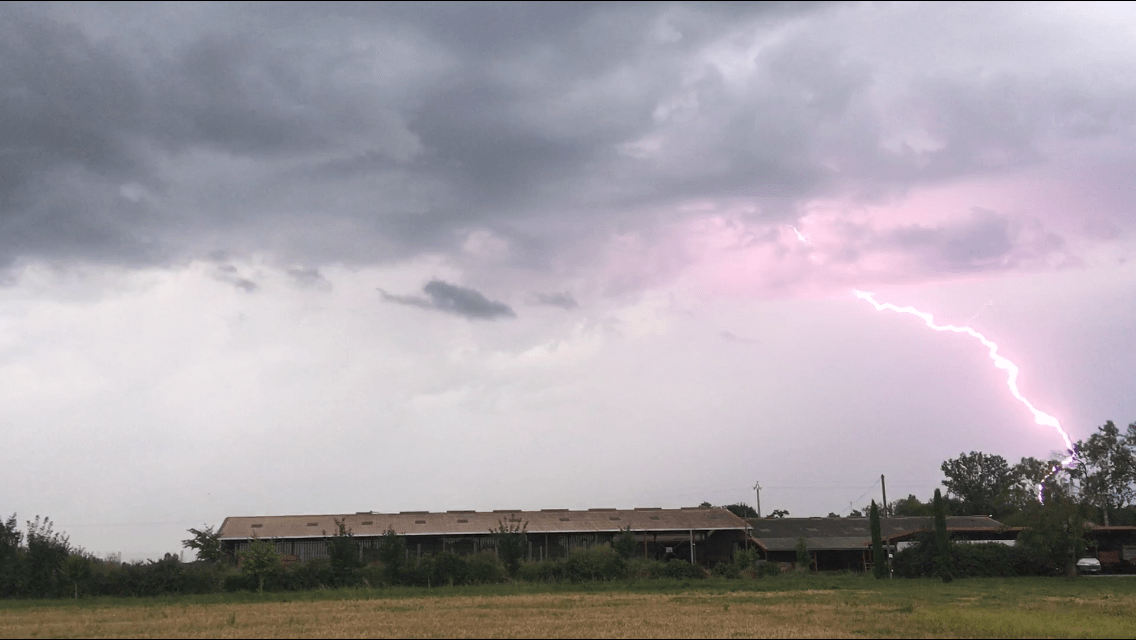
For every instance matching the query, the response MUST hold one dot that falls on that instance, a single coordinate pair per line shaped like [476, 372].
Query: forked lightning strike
[1011, 369]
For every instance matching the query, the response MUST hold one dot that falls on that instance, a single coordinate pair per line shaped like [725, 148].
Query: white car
[1088, 565]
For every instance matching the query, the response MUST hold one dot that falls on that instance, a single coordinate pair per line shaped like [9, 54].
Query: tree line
[1099, 490]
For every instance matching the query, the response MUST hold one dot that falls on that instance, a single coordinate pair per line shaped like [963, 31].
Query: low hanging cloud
[563, 300]
[459, 301]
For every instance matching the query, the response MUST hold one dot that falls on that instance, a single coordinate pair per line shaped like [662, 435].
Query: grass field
[795, 606]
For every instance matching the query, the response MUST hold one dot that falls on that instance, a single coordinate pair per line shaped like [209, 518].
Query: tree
[1056, 530]
[206, 543]
[392, 553]
[942, 539]
[742, 510]
[625, 544]
[46, 552]
[879, 557]
[343, 552]
[803, 560]
[778, 513]
[11, 555]
[1107, 469]
[77, 569]
[261, 561]
[911, 506]
[512, 542]
[980, 482]
[1025, 477]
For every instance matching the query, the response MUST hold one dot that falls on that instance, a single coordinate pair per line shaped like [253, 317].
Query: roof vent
[419, 522]
[368, 522]
[256, 526]
[313, 524]
[653, 517]
[462, 521]
[613, 517]
[566, 519]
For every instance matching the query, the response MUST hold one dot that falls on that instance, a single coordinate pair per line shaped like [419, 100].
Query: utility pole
[757, 488]
[883, 487]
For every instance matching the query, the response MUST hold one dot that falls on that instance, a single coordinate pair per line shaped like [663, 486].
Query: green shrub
[729, 570]
[625, 544]
[450, 569]
[644, 569]
[597, 563]
[971, 560]
[484, 569]
[543, 571]
[313, 574]
[682, 570]
[768, 569]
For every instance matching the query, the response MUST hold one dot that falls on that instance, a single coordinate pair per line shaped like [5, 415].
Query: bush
[484, 569]
[729, 570]
[542, 571]
[971, 560]
[450, 569]
[625, 544]
[313, 574]
[644, 569]
[682, 570]
[597, 563]
[261, 563]
[768, 569]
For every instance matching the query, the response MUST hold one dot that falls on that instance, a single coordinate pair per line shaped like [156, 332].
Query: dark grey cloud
[229, 273]
[461, 301]
[986, 240]
[564, 300]
[143, 134]
[309, 277]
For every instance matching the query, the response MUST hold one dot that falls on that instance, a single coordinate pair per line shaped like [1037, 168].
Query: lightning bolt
[800, 236]
[1001, 362]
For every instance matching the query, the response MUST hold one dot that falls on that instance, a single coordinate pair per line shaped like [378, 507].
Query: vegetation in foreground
[797, 605]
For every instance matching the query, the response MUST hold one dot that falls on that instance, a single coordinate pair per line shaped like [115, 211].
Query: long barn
[700, 535]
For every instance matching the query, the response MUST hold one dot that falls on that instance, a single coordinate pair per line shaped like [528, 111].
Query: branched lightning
[1011, 369]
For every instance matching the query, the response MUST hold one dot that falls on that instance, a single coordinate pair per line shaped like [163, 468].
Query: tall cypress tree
[942, 540]
[879, 558]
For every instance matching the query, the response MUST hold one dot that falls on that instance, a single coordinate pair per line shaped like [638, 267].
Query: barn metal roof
[830, 534]
[480, 522]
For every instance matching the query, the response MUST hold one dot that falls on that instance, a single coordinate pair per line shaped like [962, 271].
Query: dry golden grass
[781, 614]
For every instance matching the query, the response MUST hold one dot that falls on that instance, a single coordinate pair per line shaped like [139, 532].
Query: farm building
[846, 543]
[701, 535]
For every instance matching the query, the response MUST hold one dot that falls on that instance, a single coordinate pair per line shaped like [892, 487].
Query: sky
[326, 258]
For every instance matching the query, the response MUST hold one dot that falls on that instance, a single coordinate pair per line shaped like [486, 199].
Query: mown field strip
[924, 610]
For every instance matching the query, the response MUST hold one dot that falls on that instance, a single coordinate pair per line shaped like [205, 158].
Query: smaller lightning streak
[800, 236]
[989, 303]
[1000, 362]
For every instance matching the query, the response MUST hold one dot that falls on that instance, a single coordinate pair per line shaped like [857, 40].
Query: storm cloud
[453, 299]
[145, 135]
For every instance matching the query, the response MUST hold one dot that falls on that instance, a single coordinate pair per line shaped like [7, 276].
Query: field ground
[794, 606]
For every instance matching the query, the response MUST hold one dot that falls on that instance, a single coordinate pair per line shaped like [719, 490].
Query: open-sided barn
[845, 543]
[701, 535]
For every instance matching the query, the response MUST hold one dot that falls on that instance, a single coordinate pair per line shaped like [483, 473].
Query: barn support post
[692, 546]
